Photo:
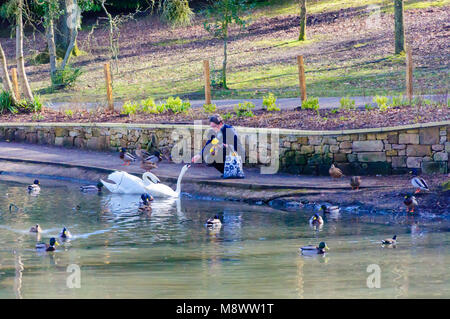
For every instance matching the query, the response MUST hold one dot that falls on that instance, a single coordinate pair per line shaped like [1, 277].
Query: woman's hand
[196, 158]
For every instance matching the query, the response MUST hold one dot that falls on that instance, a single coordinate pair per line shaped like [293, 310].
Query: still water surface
[170, 254]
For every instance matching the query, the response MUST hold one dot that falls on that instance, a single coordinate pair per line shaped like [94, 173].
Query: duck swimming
[214, 222]
[36, 229]
[316, 220]
[48, 247]
[144, 205]
[127, 157]
[390, 241]
[65, 233]
[308, 250]
[34, 188]
[92, 188]
[330, 209]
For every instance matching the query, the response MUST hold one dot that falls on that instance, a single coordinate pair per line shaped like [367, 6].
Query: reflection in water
[18, 278]
[172, 254]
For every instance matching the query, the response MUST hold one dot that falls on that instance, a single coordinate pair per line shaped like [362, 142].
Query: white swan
[129, 184]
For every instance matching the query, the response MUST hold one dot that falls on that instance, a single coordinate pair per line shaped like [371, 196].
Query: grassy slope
[342, 57]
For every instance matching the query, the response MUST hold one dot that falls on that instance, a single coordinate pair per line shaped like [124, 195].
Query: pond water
[170, 254]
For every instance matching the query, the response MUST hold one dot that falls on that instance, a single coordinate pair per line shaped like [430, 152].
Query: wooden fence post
[409, 74]
[109, 87]
[301, 77]
[15, 83]
[207, 82]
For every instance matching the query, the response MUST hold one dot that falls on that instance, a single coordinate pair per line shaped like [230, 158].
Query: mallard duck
[411, 203]
[140, 153]
[214, 222]
[48, 247]
[316, 220]
[330, 209]
[390, 241]
[35, 229]
[335, 172]
[65, 233]
[145, 203]
[92, 188]
[314, 249]
[127, 157]
[419, 184]
[355, 182]
[34, 187]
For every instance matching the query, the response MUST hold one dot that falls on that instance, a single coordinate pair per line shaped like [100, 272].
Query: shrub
[209, 108]
[382, 102]
[177, 12]
[6, 103]
[68, 113]
[311, 104]
[149, 106]
[227, 116]
[176, 105]
[244, 109]
[347, 103]
[398, 101]
[269, 103]
[129, 108]
[37, 117]
[66, 77]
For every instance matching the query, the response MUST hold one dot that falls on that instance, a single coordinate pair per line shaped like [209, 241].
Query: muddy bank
[389, 199]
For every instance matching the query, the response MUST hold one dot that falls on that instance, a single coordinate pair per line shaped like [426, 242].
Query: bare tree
[5, 76]
[19, 53]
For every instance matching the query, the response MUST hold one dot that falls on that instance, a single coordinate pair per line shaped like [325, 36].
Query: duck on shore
[420, 184]
[335, 172]
[355, 182]
[411, 203]
[127, 157]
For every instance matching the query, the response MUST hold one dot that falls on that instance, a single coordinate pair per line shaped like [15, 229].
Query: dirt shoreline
[390, 199]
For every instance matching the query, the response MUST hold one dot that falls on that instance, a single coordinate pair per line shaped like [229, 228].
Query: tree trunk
[65, 27]
[51, 45]
[5, 76]
[302, 36]
[19, 53]
[224, 64]
[399, 27]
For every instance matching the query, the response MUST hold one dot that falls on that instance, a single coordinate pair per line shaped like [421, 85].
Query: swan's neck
[178, 190]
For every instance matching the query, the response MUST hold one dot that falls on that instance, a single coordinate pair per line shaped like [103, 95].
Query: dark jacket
[227, 131]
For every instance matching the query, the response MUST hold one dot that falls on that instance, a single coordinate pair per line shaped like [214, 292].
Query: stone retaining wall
[392, 150]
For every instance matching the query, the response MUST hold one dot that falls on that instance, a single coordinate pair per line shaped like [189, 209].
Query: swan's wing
[152, 177]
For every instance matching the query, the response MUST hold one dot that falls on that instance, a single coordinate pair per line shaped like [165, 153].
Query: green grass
[255, 67]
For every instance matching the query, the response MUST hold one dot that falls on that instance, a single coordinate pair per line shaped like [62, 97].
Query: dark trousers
[218, 166]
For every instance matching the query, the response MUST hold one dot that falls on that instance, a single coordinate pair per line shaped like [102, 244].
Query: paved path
[198, 173]
[283, 103]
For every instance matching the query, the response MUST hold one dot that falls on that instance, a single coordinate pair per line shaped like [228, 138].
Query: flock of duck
[150, 184]
[317, 221]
